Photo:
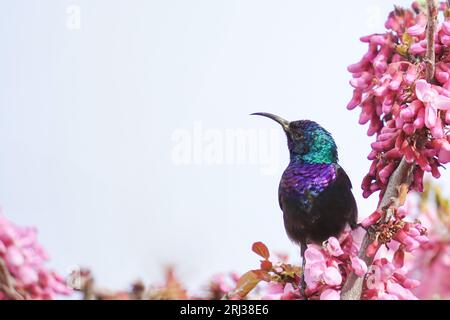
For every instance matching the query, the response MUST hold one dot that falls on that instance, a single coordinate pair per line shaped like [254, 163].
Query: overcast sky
[125, 133]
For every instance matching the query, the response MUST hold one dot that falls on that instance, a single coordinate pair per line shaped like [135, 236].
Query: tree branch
[7, 283]
[402, 177]
[353, 287]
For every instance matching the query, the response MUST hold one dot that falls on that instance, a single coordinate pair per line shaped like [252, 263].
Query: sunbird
[315, 193]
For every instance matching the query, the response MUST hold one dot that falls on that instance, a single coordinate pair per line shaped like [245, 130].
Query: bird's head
[308, 142]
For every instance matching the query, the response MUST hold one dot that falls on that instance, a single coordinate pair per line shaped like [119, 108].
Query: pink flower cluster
[24, 258]
[431, 263]
[432, 267]
[387, 280]
[409, 235]
[327, 267]
[408, 115]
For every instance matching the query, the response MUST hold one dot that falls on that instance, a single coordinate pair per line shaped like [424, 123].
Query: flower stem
[430, 61]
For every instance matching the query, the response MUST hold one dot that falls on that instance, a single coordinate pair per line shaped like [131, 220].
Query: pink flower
[359, 266]
[333, 247]
[274, 291]
[327, 266]
[419, 28]
[372, 219]
[386, 282]
[27, 275]
[444, 152]
[14, 257]
[332, 276]
[400, 292]
[330, 294]
[315, 266]
[25, 260]
[433, 102]
[386, 296]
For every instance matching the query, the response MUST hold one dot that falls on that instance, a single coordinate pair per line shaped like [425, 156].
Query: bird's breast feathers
[304, 182]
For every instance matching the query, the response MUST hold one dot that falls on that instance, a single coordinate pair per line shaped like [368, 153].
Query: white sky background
[87, 118]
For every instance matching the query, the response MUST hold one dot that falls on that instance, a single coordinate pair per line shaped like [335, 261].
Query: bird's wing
[353, 222]
[339, 197]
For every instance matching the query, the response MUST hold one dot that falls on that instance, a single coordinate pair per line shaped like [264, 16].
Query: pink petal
[386, 271]
[332, 276]
[438, 132]
[418, 48]
[442, 103]
[359, 266]
[416, 30]
[313, 255]
[334, 247]
[430, 116]
[445, 39]
[313, 274]
[397, 290]
[330, 294]
[386, 296]
[27, 275]
[356, 99]
[419, 123]
[422, 90]
[411, 74]
[399, 258]
[444, 153]
[446, 27]
[14, 256]
[372, 219]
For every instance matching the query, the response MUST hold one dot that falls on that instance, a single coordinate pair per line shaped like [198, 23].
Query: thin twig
[401, 178]
[431, 31]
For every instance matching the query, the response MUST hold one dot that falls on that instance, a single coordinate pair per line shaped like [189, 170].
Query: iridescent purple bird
[315, 192]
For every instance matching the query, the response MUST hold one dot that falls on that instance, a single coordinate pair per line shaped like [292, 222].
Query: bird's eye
[297, 135]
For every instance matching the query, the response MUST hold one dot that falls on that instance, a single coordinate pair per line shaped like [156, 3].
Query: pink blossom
[359, 266]
[315, 266]
[273, 291]
[386, 282]
[334, 248]
[397, 103]
[419, 28]
[372, 219]
[433, 102]
[444, 152]
[399, 291]
[332, 276]
[25, 259]
[431, 262]
[330, 294]
[328, 266]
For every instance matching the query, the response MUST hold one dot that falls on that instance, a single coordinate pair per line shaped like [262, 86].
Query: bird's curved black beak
[284, 123]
